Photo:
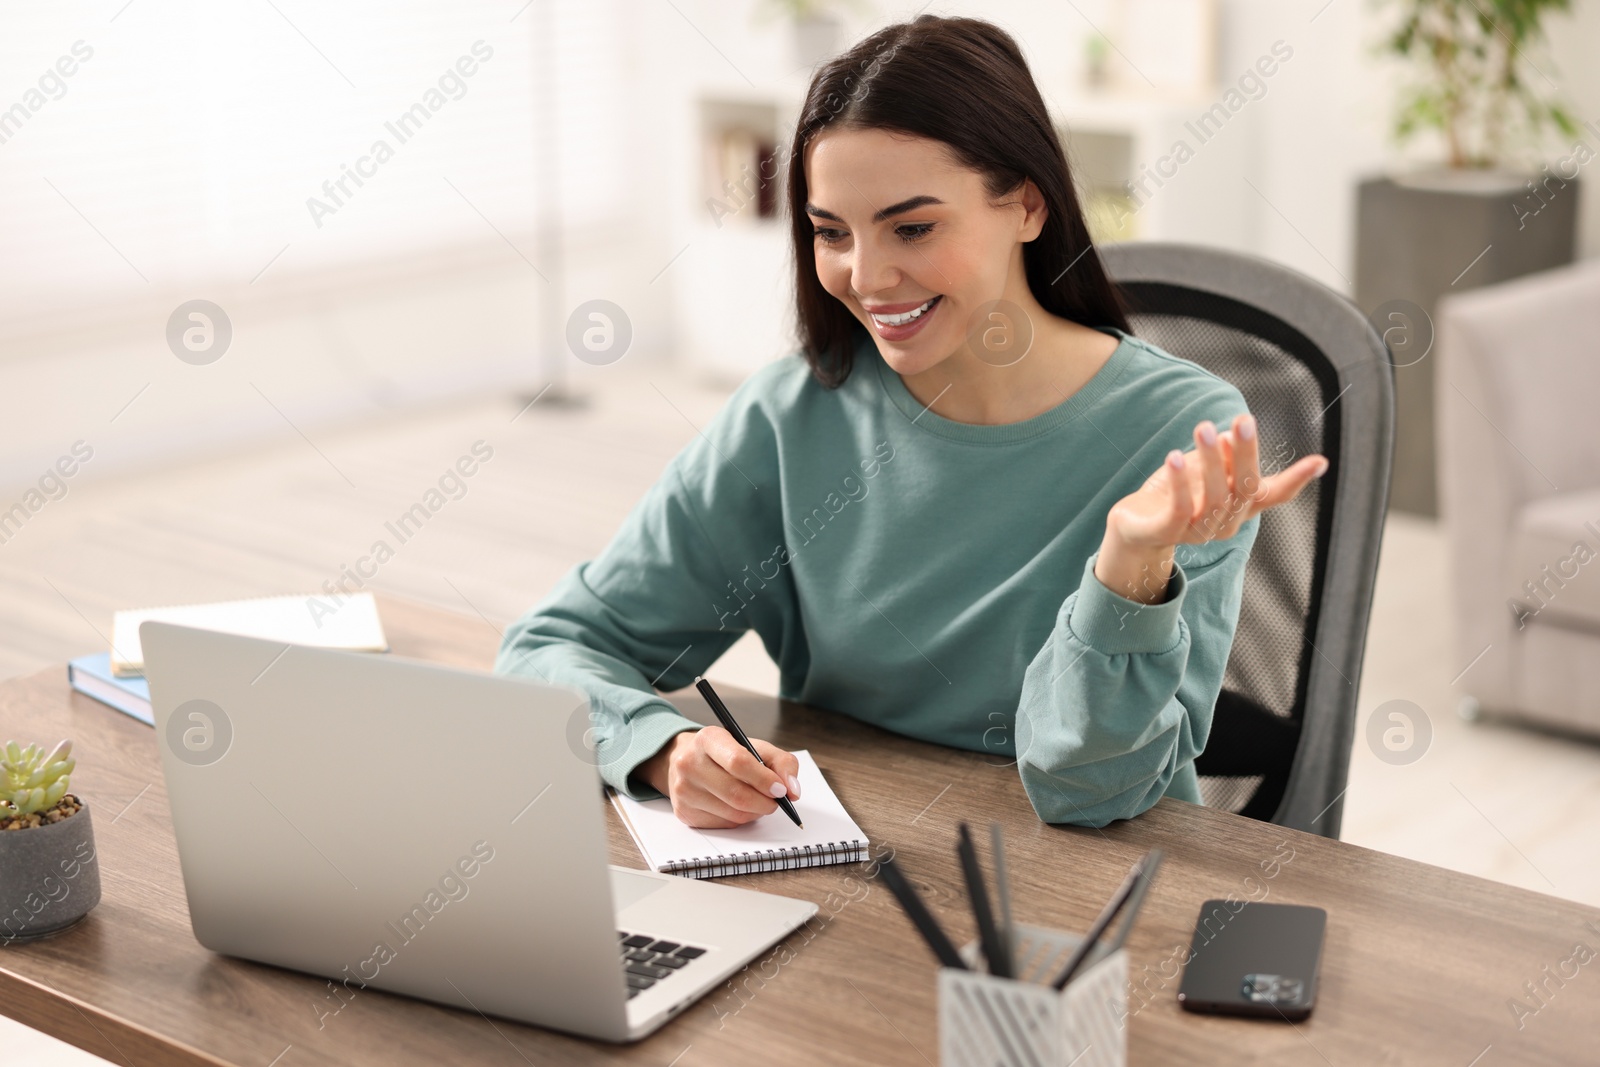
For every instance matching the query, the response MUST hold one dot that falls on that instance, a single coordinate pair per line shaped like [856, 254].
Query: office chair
[1318, 379]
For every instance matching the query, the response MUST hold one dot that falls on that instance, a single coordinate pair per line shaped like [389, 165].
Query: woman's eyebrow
[893, 209]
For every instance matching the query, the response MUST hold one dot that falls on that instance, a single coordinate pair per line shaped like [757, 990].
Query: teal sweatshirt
[931, 577]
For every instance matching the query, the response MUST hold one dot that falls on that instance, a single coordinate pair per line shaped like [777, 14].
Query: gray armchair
[1519, 489]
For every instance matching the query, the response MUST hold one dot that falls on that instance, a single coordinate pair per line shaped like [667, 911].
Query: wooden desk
[1419, 967]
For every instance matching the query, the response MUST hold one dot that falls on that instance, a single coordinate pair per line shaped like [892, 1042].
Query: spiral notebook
[771, 843]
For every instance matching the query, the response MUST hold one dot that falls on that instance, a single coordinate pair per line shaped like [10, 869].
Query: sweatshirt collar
[925, 419]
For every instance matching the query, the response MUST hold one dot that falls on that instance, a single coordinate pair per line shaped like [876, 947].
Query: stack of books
[116, 676]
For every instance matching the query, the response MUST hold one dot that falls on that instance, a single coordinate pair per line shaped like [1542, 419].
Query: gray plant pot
[49, 878]
[1424, 234]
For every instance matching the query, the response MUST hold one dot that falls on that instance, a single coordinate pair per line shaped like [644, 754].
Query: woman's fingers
[742, 798]
[742, 765]
[1209, 493]
[784, 764]
[1239, 447]
[699, 807]
[704, 793]
[1213, 474]
[738, 795]
[715, 782]
[1177, 471]
[739, 779]
[1284, 486]
[1246, 458]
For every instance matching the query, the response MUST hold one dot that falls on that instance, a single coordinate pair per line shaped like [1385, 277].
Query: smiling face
[911, 242]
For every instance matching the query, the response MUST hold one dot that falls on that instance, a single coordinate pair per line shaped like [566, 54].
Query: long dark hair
[964, 82]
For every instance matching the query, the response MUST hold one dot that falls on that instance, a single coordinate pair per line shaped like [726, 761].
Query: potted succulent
[49, 878]
[1495, 197]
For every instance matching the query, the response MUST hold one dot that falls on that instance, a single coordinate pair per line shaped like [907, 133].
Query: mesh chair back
[1316, 376]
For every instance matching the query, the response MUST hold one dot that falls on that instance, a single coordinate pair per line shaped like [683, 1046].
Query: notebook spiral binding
[771, 859]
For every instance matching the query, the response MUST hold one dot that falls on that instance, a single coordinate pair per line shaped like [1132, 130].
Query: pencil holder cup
[1022, 1022]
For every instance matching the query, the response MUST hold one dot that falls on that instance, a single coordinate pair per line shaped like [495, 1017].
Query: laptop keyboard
[646, 961]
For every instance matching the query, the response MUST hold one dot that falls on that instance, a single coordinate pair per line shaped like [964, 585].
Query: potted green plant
[49, 876]
[1486, 202]
[1473, 83]
[817, 26]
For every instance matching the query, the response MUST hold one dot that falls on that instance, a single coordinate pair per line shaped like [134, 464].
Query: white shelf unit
[1159, 170]
[733, 287]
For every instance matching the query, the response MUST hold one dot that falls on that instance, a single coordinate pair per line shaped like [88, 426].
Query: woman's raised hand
[1205, 494]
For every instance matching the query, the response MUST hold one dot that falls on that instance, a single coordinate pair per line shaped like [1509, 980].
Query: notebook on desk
[349, 622]
[771, 843]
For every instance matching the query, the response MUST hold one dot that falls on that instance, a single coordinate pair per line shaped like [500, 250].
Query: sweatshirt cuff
[1114, 625]
[634, 742]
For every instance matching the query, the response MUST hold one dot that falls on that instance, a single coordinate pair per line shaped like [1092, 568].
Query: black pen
[1107, 914]
[725, 717]
[1152, 862]
[994, 949]
[1002, 891]
[919, 915]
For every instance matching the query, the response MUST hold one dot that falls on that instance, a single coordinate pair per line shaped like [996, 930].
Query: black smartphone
[1254, 959]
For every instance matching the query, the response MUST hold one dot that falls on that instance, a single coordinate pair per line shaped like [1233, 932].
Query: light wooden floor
[1493, 800]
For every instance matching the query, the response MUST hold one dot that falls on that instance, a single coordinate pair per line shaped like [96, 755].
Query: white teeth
[902, 319]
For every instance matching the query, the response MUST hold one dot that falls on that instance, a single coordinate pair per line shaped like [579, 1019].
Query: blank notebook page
[770, 843]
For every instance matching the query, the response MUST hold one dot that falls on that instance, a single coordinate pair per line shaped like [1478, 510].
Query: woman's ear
[1036, 209]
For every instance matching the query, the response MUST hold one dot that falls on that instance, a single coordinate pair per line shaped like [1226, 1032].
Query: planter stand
[1421, 236]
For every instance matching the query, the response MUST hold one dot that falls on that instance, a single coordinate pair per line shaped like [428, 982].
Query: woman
[957, 512]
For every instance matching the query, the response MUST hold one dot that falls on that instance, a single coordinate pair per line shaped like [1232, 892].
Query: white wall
[415, 292]
[1574, 39]
[179, 159]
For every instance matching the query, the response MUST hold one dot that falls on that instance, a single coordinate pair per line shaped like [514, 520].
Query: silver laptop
[397, 825]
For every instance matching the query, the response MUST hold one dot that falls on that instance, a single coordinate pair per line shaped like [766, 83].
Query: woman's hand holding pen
[713, 781]
[1205, 494]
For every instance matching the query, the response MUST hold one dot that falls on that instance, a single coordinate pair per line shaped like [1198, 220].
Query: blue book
[91, 675]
